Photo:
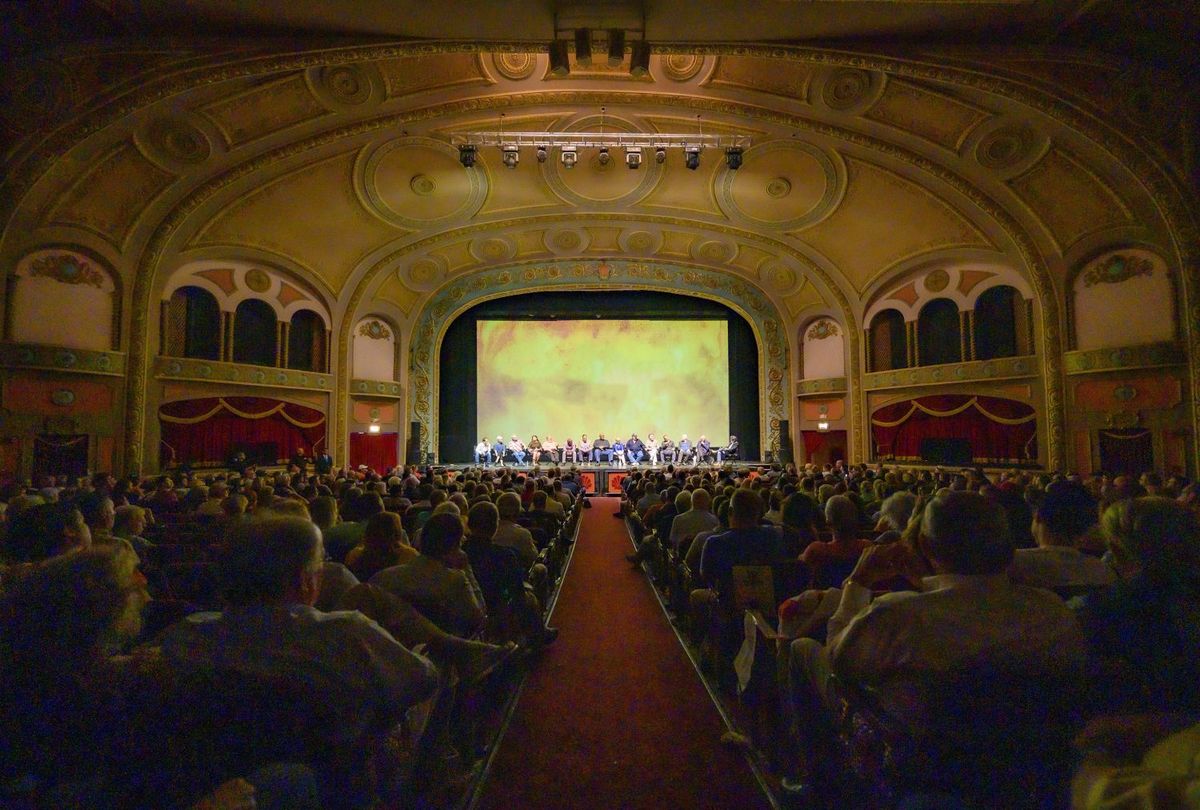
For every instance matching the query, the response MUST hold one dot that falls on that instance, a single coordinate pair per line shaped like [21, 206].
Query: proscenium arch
[464, 292]
[1159, 186]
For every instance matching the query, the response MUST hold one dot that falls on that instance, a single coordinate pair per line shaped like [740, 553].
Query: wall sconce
[372, 428]
[822, 426]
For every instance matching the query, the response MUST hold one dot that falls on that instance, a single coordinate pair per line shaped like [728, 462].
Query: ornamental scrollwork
[67, 268]
[822, 329]
[375, 330]
[1117, 268]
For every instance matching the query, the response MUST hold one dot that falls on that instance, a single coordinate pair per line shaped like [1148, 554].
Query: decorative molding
[375, 330]
[1151, 355]
[828, 385]
[822, 329]
[68, 268]
[468, 290]
[193, 370]
[1161, 186]
[1117, 268]
[59, 358]
[377, 388]
[1003, 368]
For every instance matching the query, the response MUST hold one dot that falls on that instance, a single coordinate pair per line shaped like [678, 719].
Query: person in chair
[729, 451]
[635, 450]
[601, 449]
[483, 452]
[517, 449]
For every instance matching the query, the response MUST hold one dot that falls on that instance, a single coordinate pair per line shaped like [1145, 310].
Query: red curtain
[814, 440]
[205, 432]
[376, 450]
[999, 430]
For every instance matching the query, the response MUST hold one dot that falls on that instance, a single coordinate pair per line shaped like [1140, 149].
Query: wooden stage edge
[597, 478]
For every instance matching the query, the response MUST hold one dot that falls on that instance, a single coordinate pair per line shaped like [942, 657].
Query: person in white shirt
[549, 451]
[585, 448]
[652, 450]
[1065, 515]
[483, 452]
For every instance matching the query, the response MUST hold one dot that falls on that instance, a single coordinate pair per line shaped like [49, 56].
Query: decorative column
[971, 335]
[226, 337]
[1029, 325]
[869, 364]
[281, 344]
[964, 327]
[328, 350]
[914, 354]
[163, 313]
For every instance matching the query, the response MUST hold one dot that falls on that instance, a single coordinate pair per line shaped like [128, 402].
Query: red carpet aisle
[614, 716]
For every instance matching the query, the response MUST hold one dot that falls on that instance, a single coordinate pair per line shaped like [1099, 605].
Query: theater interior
[950, 234]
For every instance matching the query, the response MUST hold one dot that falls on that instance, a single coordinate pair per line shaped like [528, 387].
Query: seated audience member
[128, 524]
[1148, 622]
[830, 562]
[1138, 762]
[164, 498]
[894, 514]
[967, 618]
[774, 514]
[498, 450]
[1065, 515]
[745, 543]
[43, 531]
[800, 517]
[211, 507]
[439, 582]
[344, 536]
[501, 577]
[549, 451]
[534, 448]
[510, 534]
[384, 544]
[364, 678]
[699, 518]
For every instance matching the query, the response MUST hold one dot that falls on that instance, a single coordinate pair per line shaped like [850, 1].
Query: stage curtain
[1000, 430]
[814, 440]
[205, 432]
[376, 450]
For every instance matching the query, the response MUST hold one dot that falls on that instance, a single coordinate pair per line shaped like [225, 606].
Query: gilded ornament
[1117, 268]
[67, 268]
[515, 66]
[845, 88]
[422, 185]
[175, 141]
[937, 281]
[679, 67]
[257, 280]
[822, 329]
[375, 330]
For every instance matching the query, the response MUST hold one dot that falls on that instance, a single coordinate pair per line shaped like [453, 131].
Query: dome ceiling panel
[782, 185]
[807, 296]
[312, 215]
[1069, 199]
[778, 77]
[265, 109]
[418, 183]
[884, 219]
[109, 198]
[926, 113]
[394, 292]
[407, 75]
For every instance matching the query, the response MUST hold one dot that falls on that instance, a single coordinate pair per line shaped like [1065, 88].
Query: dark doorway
[57, 454]
[1128, 451]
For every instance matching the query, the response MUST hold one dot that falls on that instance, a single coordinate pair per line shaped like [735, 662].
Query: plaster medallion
[679, 67]
[515, 66]
[257, 280]
[937, 281]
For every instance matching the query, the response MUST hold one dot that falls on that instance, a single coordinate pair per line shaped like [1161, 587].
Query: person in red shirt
[831, 562]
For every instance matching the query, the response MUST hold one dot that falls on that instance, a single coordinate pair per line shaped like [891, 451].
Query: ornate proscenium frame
[465, 292]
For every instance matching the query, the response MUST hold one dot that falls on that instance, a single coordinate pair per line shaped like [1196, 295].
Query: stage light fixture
[660, 154]
[639, 59]
[604, 156]
[733, 157]
[560, 62]
[616, 47]
[583, 47]
[466, 155]
[541, 152]
[691, 157]
[511, 155]
[633, 157]
[569, 157]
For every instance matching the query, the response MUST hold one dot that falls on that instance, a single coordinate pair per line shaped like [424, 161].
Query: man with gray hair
[968, 616]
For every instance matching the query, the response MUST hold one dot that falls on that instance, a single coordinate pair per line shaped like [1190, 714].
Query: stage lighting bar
[597, 140]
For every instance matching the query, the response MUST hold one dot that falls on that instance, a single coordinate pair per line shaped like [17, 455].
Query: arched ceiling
[343, 170]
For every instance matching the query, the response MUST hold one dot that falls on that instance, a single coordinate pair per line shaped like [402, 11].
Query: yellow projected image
[564, 378]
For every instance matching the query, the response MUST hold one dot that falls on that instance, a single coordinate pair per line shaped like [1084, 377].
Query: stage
[597, 479]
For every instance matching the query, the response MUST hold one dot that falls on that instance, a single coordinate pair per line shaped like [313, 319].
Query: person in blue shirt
[683, 452]
[618, 453]
[635, 450]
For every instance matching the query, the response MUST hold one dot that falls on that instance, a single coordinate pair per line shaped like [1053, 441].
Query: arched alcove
[1132, 288]
[824, 350]
[374, 352]
[63, 298]
[255, 333]
[939, 333]
[192, 324]
[889, 341]
[306, 341]
[997, 312]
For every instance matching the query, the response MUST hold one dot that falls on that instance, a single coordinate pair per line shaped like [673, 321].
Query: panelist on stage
[498, 450]
[666, 450]
[535, 449]
[618, 452]
[483, 452]
[549, 451]
[569, 451]
[683, 453]
[728, 451]
[652, 450]
[517, 449]
[703, 450]
[586, 449]
[635, 450]
[601, 447]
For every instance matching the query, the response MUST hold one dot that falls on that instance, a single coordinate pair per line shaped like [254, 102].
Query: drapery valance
[207, 431]
[1004, 411]
[195, 411]
[999, 430]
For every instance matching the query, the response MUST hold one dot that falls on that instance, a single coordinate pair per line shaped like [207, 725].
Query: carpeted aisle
[614, 715]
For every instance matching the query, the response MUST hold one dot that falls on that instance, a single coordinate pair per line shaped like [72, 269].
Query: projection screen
[617, 377]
